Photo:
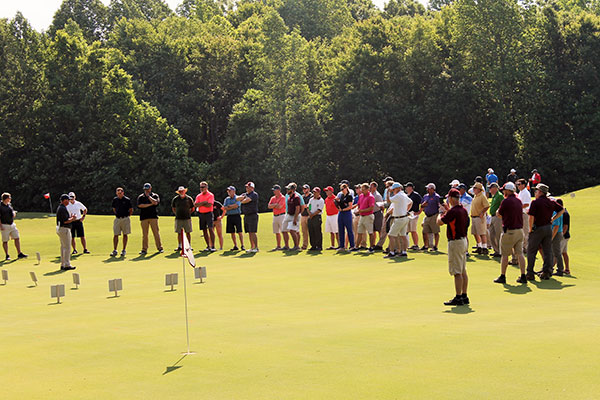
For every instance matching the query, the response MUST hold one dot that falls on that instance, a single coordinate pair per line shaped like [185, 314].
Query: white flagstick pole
[50, 201]
[187, 329]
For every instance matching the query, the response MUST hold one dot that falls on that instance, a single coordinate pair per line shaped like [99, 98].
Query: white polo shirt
[76, 209]
[401, 204]
[525, 198]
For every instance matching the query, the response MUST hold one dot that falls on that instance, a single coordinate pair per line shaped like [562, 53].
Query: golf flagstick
[186, 252]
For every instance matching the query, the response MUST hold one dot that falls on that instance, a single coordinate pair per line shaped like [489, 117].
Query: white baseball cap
[509, 186]
[513, 170]
[455, 182]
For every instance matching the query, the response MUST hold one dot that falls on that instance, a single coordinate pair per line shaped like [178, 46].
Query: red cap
[329, 189]
[453, 193]
[251, 184]
[317, 189]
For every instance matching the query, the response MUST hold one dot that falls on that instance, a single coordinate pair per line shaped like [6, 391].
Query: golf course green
[277, 325]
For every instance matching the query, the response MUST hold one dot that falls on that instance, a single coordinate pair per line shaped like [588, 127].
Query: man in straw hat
[183, 207]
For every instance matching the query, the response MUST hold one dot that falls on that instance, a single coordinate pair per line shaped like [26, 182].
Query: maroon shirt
[457, 219]
[542, 210]
[293, 201]
[511, 210]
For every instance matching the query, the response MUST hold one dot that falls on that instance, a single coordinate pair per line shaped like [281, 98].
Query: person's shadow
[460, 310]
[517, 289]
[550, 284]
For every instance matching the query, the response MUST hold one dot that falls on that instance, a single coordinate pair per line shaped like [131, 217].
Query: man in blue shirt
[233, 211]
[557, 238]
[431, 206]
[489, 179]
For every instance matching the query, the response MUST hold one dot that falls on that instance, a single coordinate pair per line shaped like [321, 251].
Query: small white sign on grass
[33, 277]
[4, 275]
[199, 273]
[171, 280]
[57, 291]
[76, 280]
[114, 285]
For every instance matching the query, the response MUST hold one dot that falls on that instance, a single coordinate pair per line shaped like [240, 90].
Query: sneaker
[67, 268]
[7, 258]
[242, 248]
[522, 279]
[456, 301]
[234, 248]
[114, 253]
[371, 250]
[206, 249]
[123, 253]
[414, 247]
[176, 250]
[285, 248]
[403, 254]
[378, 248]
[544, 276]
[530, 277]
[295, 248]
[21, 255]
[485, 252]
[86, 251]
[255, 250]
[161, 250]
[500, 279]
[212, 249]
[424, 248]
[465, 299]
[354, 249]
[391, 254]
[74, 251]
[143, 252]
[496, 254]
[362, 248]
[478, 250]
[331, 248]
[435, 248]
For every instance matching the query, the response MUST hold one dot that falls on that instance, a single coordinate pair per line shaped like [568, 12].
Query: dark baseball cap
[344, 181]
[64, 197]
[305, 186]
[478, 179]
[147, 186]
[462, 186]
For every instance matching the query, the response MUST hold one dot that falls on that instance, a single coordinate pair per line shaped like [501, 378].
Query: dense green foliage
[303, 90]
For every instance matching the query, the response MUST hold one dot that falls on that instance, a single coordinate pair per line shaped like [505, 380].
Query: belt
[475, 216]
[431, 215]
[402, 216]
[123, 217]
[277, 215]
[460, 238]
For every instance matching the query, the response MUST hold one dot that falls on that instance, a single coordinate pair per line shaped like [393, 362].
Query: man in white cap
[402, 205]
[77, 208]
[249, 202]
[512, 177]
[183, 207]
[454, 184]
[511, 241]
[491, 177]
[431, 207]
[479, 207]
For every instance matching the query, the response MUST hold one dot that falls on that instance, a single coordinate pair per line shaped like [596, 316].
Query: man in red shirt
[331, 219]
[204, 205]
[366, 203]
[277, 204]
[535, 179]
[511, 212]
[457, 219]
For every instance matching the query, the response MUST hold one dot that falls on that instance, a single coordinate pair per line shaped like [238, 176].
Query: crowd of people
[503, 218]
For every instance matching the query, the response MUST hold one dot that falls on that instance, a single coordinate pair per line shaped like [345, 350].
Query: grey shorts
[430, 224]
[122, 226]
[185, 224]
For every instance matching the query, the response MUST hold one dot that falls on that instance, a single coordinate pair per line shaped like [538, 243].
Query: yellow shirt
[479, 204]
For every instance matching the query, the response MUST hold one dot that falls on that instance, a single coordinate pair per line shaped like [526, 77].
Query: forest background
[311, 91]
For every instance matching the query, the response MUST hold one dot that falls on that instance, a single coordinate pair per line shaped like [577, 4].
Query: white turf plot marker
[199, 273]
[39, 257]
[4, 275]
[33, 278]
[114, 285]
[171, 279]
[57, 291]
[76, 280]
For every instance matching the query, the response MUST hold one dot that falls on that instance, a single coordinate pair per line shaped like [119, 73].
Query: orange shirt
[330, 207]
[278, 200]
[210, 198]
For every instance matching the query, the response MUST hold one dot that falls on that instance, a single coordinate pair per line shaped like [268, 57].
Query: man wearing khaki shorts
[183, 207]
[401, 205]
[479, 207]
[511, 241]
[366, 204]
[457, 219]
[8, 226]
[525, 197]
[431, 207]
[122, 209]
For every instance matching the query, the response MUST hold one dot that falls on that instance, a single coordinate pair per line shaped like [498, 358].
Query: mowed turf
[296, 326]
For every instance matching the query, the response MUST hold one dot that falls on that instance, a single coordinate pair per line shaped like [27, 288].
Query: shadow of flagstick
[175, 366]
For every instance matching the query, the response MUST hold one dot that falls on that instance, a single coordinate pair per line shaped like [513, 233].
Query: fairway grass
[296, 326]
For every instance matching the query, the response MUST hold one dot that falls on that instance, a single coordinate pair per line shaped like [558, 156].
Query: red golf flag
[186, 249]
[47, 195]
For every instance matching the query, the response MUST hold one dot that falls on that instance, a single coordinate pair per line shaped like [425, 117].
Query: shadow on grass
[57, 272]
[517, 289]
[550, 284]
[112, 259]
[228, 253]
[288, 253]
[54, 304]
[143, 257]
[246, 255]
[314, 252]
[173, 367]
[400, 259]
[4, 262]
[113, 296]
[175, 254]
[31, 286]
[460, 310]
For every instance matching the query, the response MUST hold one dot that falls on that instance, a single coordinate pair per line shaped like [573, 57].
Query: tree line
[308, 91]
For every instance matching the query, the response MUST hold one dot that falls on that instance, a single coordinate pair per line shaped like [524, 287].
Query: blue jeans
[345, 224]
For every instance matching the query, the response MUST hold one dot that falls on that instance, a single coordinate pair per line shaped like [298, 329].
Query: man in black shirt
[122, 209]
[63, 230]
[249, 202]
[414, 212]
[8, 226]
[147, 202]
[566, 237]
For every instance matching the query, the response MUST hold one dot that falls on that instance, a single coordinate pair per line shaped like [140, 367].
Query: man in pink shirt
[277, 204]
[366, 203]
[204, 205]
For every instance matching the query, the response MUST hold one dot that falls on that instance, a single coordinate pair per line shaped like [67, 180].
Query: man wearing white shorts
[402, 204]
[8, 226]
[277, 204]
[291, 223]
[331, 220]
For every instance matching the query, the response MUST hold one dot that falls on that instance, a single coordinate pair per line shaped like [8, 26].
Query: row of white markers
[114, 285]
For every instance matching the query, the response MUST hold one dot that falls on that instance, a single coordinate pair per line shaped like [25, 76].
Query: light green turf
[277, 326]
